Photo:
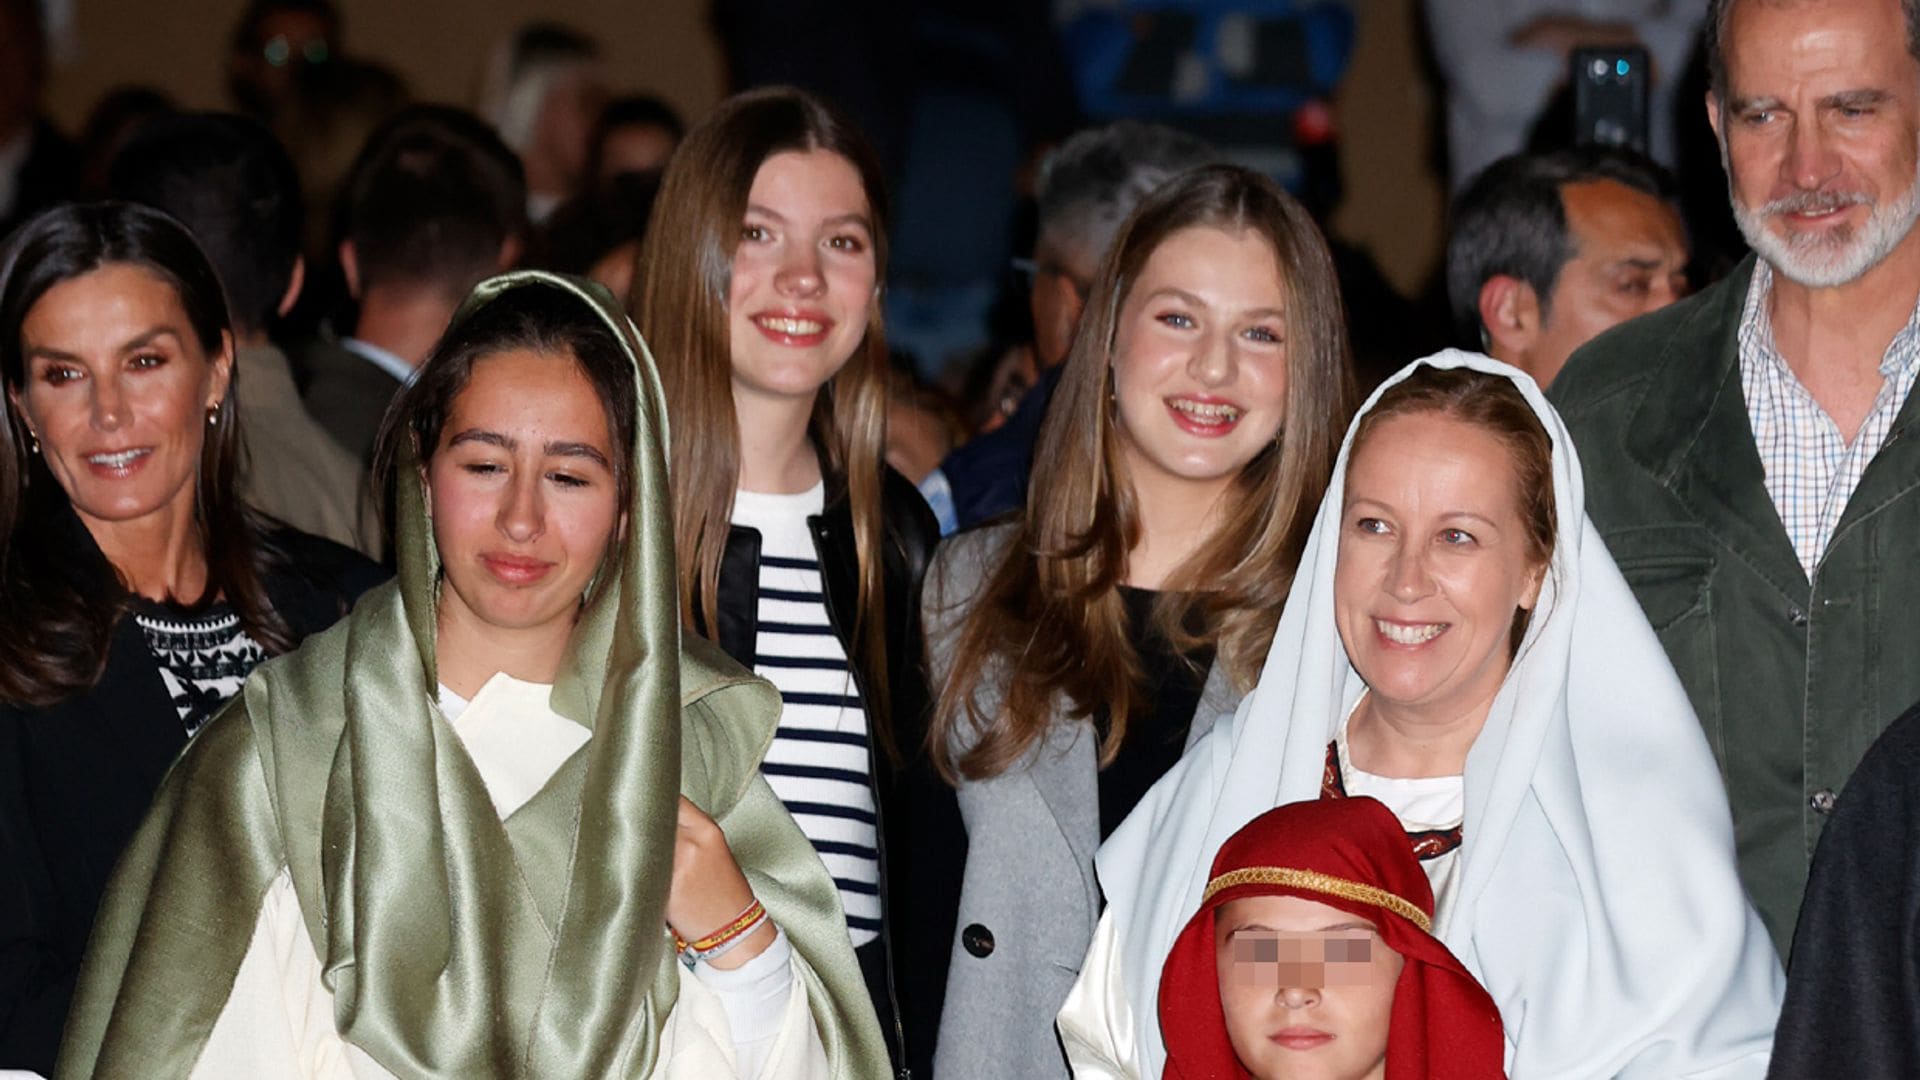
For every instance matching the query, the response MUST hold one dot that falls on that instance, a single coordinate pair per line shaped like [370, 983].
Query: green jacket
[1792, 679]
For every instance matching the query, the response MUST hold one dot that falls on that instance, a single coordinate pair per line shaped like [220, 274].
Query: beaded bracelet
[723, 940]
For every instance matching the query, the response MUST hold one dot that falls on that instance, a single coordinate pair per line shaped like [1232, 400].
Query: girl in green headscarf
[463, 832]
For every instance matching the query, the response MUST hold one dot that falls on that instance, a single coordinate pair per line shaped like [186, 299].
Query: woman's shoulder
[972, 552]
[962, 562]
[315, 580]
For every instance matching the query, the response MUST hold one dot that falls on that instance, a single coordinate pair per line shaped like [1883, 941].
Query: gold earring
[213, 414]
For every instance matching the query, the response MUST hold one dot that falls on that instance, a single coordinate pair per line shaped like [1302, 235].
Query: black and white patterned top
[819, 761]
[204, 658]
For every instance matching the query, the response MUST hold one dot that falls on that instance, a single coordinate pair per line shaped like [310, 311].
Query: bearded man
[1749, 451]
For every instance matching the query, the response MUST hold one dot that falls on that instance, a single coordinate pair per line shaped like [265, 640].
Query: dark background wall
[1393, 205]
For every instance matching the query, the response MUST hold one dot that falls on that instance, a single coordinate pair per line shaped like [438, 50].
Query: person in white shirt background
[1500, 61]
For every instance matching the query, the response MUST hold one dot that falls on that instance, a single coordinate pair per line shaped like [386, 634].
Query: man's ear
[295, 283]
[1713, 117]
[1510, 316]
[350, 267]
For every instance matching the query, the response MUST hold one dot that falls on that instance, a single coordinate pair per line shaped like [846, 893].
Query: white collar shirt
[389, 362]
[1811, 468]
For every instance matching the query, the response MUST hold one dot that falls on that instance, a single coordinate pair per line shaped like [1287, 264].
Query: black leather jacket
[922, 842]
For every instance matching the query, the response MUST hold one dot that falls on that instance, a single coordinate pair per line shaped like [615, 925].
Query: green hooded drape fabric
[456, 944]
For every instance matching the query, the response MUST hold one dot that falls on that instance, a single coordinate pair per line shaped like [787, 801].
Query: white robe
[1597, 898]
[279, 1017]
[1096, 1023]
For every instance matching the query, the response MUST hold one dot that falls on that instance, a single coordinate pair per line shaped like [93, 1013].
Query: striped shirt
[1811, 469]
[818, 764]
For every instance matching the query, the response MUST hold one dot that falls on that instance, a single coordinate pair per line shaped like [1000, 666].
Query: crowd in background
[1127, 567]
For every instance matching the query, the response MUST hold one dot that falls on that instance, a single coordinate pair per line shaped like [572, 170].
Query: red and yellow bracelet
[724, 939]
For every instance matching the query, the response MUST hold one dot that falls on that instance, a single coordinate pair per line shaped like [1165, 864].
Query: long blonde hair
[679, 301]
[1049, 618]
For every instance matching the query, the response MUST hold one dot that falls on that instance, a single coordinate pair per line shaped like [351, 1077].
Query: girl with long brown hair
[1175, 480]
[799, 552]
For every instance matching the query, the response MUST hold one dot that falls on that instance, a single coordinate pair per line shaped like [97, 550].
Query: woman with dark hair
[1460, 646]
[800, 552]
[138, 590]
[1081, 646]
[501, 820]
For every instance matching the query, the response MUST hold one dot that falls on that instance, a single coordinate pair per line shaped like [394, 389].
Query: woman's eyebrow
[552, 448]
[851, 219]
[490, 438]
[579, 450]
[138, 341]
[1474, 515]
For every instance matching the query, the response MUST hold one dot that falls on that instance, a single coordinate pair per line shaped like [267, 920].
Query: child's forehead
[1286, 914]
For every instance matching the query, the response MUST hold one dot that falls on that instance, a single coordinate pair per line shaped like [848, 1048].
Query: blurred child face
[1307, 989]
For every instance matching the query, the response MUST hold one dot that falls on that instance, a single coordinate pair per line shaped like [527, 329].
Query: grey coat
[1029, 900]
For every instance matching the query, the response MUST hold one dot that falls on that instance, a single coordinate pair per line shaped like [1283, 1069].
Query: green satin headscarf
[456, 944]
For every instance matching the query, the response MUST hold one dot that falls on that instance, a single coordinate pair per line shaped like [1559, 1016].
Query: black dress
[76, 779]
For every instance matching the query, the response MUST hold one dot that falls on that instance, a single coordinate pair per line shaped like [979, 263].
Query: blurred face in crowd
[1307, 989]
[563, 135]
[635, 148]
[1063, 274]
[615, 269]
[803, 276]
[1629, 258]
[285, 42]
[1820, 132]
[523, 494]
[1200, 359]
[1434, 563]
[117, 391]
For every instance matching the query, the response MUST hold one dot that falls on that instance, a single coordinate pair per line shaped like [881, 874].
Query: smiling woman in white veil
[1593, 891]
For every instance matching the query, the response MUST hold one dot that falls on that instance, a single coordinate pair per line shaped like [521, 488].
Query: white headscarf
[1597, 901]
